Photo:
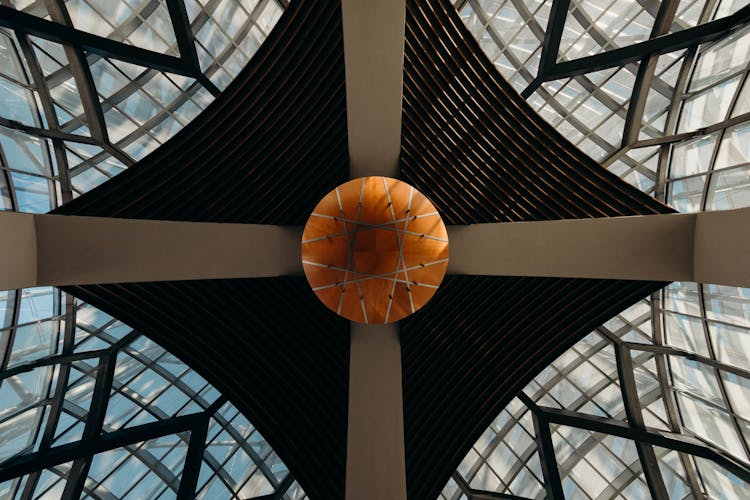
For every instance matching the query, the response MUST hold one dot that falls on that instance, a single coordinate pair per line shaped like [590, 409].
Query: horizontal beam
[707, 247]
[70, 250]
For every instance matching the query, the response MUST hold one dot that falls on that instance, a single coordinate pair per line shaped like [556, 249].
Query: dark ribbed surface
[269, 345]
[266, 151]
[481, 154]
[477, 150]
[475, 345]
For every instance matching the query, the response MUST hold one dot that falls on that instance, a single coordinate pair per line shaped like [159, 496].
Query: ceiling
[274, 142]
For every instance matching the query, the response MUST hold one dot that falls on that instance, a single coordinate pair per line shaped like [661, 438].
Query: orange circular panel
[375, 250]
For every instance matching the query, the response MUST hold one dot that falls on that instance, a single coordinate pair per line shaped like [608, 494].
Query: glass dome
[655, 402]
[75, 112]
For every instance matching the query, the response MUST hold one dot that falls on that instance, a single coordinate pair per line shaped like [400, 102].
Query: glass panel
[728, 304]
[732, 344]
[735, 147]
[672, 472]
[721, 60]
[720, 483]
[695, 377]
[682, 297]
[686, 194]
[710, 423]
[708, 107]
[692, 157]
[729, 189]
[33, 193]
[685, 332]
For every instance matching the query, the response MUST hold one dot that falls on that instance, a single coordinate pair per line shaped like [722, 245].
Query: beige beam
[722, 248]
[374, 60]
[708, 247]
[18, 260]
[68, 250]
[375, 466]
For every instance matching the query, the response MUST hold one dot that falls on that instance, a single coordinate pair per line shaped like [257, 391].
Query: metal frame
[83, 50]
[49, 454]
[663, 38]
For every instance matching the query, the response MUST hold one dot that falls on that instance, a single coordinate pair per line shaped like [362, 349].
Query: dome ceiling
[672, 125]
[273, 143]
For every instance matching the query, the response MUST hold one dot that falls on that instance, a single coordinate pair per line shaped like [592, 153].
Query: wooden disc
[375, 250]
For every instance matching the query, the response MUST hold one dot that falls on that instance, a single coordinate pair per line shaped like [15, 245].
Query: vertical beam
[374, 59]
[375, 464]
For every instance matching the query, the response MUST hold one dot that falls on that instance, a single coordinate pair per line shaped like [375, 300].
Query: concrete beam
[69, 250]
[708, 247]
[374, 60]
[375, 463]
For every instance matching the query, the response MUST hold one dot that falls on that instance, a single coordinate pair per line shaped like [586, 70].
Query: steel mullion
[553, 37]
[58, 398]
[671, 351]
[482, 15]
[48, 361]
[284, 485]
[61, 160]
[646, 70]
[670, 126]
[183, 33]
[545, 449]
[193, 461]
[720, 382]
[570, 367]
[720, 139]
[677, 442]
[670, 405]
[692, 37]
[629, 391]
[94, 422]
[81, 73]
[252, 19]
[13, 328]
[40, 460]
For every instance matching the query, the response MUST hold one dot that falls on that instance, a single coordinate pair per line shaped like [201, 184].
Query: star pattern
[375, 250]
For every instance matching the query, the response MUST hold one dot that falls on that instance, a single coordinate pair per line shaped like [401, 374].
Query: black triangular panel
[481, 154]
[268, 345]
[265, 151]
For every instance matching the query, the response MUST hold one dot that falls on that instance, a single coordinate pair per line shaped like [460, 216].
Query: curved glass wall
[77, 112]
[108, 412]
[111, 414]
[655, 401]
